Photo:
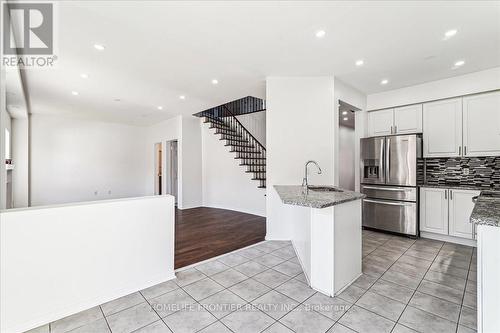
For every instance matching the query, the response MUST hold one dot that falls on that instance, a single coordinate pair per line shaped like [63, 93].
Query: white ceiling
[158, 50]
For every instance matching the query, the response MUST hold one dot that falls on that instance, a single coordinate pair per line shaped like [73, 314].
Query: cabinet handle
[446, 194]
[391, 129]
[451, 195]
[395, 129]
[465, 150]
[459, 150]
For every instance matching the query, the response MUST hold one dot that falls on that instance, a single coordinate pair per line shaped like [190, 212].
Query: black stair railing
[247, 148]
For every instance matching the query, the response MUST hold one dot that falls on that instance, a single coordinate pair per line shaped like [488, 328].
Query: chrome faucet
[304, 181]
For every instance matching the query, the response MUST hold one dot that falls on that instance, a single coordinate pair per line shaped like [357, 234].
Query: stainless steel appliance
[389, 180]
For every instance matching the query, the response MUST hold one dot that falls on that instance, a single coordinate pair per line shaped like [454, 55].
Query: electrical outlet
[465, 171]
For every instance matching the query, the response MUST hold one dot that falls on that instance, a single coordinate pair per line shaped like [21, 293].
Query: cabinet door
[380, 122]
[434, 210]
[442, 128]
[408, 119]
[461, 206]
[482, 125]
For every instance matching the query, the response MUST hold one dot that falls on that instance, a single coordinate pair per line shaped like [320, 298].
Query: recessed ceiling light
[182, 97]
[84, 76]
[384, 81]
[215, 81]
[359, 62]
[74, 93]
[159, 107]
[344, 113]
[346, 119]
[320, 33]
[99, 47]
[117, 100]
[450, 33]
[459, 63]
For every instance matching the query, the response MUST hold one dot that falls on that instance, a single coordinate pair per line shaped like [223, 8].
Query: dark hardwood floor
[202, 233]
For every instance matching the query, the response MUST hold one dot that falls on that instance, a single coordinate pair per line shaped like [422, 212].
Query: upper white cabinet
[380, 122]
[481, 117]
[442, 128]
[402, 120]
[434, 210]
[461, 205]
[408, 119]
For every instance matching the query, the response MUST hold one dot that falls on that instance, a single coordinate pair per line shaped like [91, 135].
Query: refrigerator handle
[387, 159]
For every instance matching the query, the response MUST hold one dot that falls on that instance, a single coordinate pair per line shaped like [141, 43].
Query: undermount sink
[324, 189]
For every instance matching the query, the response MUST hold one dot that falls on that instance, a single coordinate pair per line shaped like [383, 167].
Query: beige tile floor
[407, 286]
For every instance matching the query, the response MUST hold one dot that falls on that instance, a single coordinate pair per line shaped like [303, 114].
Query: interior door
[461, 207]
[434, 210]
[482, 124]
[401, 160]
[442, 129]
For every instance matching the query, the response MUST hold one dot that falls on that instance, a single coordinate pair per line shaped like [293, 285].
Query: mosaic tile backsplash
[482, 171]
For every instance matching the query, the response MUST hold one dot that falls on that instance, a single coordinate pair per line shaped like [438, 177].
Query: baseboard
[64, 310]
[449, 239]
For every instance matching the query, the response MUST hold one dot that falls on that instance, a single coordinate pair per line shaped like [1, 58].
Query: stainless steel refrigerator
[389, 180]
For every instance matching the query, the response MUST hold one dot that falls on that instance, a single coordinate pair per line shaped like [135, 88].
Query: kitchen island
[328, 243]
[486, 221]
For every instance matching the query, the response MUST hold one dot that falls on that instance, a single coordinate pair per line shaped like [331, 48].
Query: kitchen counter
[294, 195]
[486, 210]
[460, 187]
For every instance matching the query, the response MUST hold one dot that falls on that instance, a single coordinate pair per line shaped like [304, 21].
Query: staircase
[247, 149]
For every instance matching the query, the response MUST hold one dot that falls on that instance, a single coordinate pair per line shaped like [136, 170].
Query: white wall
[74, 158]
[300, 127]
[20, 159]
[456, 86]
[59, 260]
[255, 123]
[189, 153]
[225, 183]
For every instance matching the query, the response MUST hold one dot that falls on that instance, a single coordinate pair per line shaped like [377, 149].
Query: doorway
[158, 169]
[171, 172]
[347, 145]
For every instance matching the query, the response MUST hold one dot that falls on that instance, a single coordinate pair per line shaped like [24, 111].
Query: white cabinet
[380, 122]
[446, 211]
[408, 119]
[481, 118]
[460, 208]
[402, 120]
[442, 128]
[434, 210]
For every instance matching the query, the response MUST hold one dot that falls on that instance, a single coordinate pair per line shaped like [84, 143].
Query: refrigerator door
[372, 161]
[395, 216]
[401, 160]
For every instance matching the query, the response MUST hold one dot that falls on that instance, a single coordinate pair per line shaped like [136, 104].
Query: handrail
[239, 123]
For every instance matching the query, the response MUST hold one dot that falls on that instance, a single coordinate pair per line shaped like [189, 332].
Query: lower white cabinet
[434, 210]
[460, 208]
[446, 211]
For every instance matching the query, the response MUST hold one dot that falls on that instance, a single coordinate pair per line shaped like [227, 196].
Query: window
[7, 144]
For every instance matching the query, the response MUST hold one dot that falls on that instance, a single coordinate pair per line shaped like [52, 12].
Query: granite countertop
[294, 195]
[486, 210]
[459, 187]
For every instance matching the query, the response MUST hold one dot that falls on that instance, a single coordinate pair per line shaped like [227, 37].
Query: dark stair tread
[235, 140]
[238, 145]
[261, 187]
[258, 178]
[249, 158]
[253, 164]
